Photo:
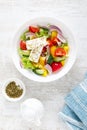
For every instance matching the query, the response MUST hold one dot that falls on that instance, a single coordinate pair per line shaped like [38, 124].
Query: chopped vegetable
[38, 71]
[66, 48]
[50, 59]
[56, 66]
[23, 36]
[49, 69]
[44, 51]
[53, 27]
[26, 63]
[52, 50]
[53, 34]
[55, 40]
[62, 38]
[38, 65]
[42, 60]
[45, 73]
[50, 43]
[58, 59]
[33, 29]
[60, 52]
[23, 52]
[63, 62]
[42, 32]
[23, 45]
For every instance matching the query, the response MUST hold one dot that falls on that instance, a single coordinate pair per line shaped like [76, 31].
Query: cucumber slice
[38, 71]
[23, 52]
[58, 59]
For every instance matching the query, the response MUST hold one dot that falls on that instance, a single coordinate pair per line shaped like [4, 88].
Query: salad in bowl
[44, 50]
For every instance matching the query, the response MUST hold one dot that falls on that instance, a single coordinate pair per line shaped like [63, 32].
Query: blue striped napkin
[74, 112]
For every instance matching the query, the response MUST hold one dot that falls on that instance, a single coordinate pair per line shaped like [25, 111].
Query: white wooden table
[15, 12]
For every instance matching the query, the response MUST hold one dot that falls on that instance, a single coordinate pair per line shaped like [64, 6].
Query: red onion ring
[62, 38]
[51, 27]
[48, 67]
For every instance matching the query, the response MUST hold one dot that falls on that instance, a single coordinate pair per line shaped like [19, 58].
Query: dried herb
[13, 90]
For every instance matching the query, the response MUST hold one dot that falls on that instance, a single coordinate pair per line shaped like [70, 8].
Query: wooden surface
[13, 13]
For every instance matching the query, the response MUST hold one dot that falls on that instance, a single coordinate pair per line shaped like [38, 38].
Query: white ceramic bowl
[18, 82]
[67, 33]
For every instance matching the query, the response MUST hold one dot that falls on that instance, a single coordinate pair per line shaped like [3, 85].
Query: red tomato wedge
[55, 40]
[49, 42]
[33, 29]
[60, 52]
[56, 66]
[52, 42]
[23, 45]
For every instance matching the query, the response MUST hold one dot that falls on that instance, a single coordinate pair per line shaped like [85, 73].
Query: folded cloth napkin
[74, 112]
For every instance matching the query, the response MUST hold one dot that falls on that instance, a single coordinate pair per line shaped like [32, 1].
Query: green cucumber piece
[38, 71]
[23, 52]
[44, 30]
[58, 59]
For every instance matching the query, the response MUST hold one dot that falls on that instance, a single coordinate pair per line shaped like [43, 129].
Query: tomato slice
[55, 40]
[33, 29]
[49, 42]
[60, 52]
[56, 66]
[23, 45]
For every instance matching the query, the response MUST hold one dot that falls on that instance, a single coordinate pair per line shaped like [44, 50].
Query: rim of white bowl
[19, 82]
[65, 69]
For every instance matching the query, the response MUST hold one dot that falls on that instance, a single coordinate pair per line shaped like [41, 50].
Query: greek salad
[43, 49]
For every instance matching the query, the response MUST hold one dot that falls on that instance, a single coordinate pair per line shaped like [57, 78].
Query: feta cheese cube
[36, 46]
